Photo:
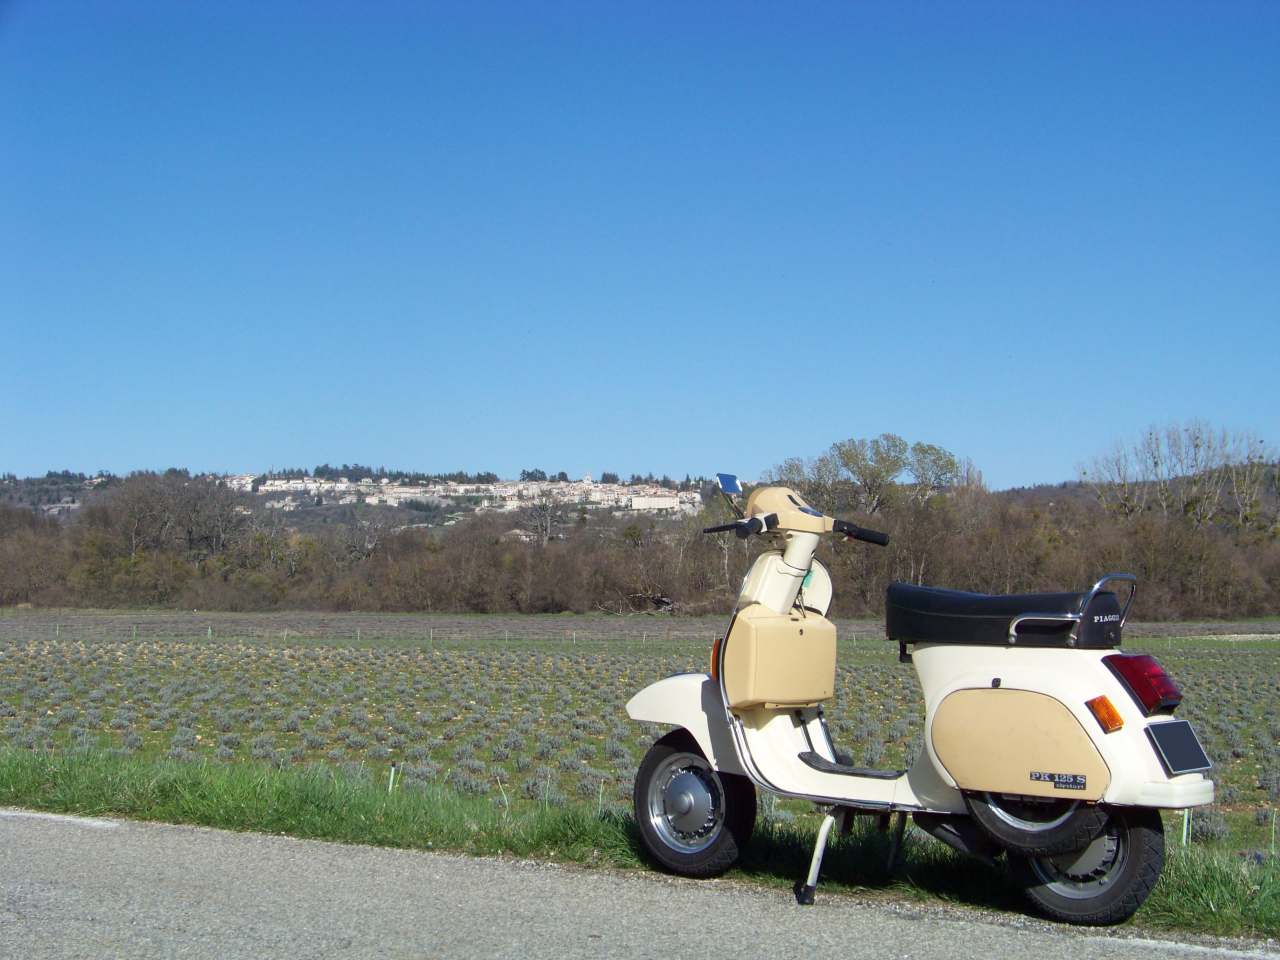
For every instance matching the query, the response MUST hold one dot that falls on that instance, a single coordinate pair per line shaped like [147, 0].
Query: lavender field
[520, 709]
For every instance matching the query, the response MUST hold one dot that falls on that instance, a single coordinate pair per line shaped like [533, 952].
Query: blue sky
[667, 237]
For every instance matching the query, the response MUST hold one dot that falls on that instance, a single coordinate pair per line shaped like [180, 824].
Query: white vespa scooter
[1040, 739]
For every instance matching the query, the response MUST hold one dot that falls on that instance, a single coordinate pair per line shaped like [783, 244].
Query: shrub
[1208, 825]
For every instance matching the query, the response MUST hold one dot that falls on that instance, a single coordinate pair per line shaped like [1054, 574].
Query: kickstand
[895, 846]
[804, 891]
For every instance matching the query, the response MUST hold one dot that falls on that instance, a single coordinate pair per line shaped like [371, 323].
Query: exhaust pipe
[960, 833]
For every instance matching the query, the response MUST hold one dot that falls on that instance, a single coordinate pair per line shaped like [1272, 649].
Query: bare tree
[1120, 480]
[541, 515]
[1247, 466]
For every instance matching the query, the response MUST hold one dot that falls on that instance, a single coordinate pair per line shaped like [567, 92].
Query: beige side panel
[991, 739]
[788, 661]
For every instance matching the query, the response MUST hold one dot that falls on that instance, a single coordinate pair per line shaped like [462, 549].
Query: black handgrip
[723, 528]
[745, 528]
[860, 533]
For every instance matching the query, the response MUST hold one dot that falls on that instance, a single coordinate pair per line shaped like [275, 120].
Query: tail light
[715, 658]
[1151, 688]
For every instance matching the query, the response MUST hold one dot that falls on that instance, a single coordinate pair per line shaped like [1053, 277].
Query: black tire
[706, 845]
[1034, 826]
[1103, 883]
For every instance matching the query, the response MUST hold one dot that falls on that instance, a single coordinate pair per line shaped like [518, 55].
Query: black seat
[932, 615]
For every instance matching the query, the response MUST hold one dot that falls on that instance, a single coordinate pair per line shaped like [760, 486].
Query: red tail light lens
[1145, 679]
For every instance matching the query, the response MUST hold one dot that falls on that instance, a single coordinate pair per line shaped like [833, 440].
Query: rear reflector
[1152, 689]
[1105, 713]
[715, 658]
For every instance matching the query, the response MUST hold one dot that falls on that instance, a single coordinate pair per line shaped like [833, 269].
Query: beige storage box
[779, 661]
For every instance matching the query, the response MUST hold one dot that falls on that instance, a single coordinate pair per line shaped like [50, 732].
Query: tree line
[1191, 510]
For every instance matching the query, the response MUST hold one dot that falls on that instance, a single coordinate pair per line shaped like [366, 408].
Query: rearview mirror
[729, 483]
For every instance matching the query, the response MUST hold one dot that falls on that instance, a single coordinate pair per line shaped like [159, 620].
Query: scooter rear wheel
[693, 820]
[1103, 883]
[1034, 826]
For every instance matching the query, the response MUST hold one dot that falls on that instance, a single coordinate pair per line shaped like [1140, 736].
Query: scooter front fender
[691, 701]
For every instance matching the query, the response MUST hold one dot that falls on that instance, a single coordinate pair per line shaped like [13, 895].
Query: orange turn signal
[715, 658]
[1106, 714]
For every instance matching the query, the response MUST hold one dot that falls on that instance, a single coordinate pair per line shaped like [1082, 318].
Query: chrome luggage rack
[1076, 617]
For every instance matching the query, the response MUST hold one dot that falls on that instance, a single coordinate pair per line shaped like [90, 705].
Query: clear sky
[653, 236]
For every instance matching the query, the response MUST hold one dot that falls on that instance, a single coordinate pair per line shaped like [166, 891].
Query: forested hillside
[1192, 511]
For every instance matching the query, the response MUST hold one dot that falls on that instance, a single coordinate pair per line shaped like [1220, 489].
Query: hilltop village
[504, 495]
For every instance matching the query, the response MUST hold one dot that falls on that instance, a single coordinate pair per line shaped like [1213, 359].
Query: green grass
[313, 802]
[1202, 890]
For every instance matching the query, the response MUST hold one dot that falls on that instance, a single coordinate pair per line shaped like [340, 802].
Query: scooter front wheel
[1106, 881]
[693, 820]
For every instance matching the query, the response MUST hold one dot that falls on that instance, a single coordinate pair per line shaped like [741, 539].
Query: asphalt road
[72, 887]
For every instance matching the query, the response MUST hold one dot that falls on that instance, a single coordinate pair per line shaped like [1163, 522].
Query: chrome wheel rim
[686, 803]
[1030, 815]
[1084, 874]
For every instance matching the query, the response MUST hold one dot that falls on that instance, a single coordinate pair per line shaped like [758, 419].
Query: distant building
[655, 503]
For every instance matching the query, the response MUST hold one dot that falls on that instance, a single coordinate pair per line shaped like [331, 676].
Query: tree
[533, 476]
[874, 467]
[541, 515]
[1192, 472]
[609, 477]
[1118, 481]
[932, 470]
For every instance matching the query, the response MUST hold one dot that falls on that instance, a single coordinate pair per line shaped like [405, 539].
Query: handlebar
[723, 528]
[747, 528]
[855, 532]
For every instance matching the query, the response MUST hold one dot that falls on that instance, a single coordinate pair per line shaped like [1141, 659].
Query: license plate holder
[1178, 747]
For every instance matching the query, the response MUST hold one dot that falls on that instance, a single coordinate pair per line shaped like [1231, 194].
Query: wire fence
[455, 630]
[361, 629]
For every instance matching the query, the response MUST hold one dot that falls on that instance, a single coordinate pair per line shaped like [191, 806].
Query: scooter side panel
[1017, 741]
[691, 701]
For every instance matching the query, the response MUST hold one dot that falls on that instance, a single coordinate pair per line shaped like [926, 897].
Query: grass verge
[1201, 891]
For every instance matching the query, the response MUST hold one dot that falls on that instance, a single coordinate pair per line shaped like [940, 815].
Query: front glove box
[779, 661]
